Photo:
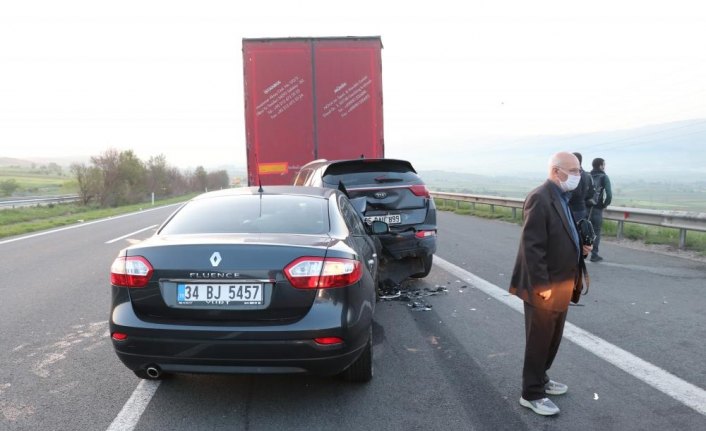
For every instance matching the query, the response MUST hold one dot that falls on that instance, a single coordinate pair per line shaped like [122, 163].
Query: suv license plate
[389, 219]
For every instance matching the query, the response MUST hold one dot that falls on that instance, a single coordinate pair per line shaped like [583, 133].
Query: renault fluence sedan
[280, 280]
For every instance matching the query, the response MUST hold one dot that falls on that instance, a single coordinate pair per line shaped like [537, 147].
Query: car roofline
[304, 191]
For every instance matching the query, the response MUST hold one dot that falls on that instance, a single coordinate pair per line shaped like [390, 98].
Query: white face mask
[571, 182]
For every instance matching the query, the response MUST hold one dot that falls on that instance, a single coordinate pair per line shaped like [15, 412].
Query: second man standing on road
[582, 195]
[603, 196]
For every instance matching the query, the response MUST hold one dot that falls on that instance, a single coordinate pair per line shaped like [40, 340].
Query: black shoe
[596, 258]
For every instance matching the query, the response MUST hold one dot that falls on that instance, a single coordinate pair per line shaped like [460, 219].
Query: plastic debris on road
[419, 306]
[390, 295]
[411, 294]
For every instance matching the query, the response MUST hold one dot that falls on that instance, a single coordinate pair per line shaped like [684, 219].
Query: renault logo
[215, 259]
[380, 195]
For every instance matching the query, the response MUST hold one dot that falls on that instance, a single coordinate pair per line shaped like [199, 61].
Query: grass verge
[480, 210]
[695, 241]
[24, 220]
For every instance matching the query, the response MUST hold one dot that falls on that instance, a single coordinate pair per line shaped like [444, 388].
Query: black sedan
[280, 280]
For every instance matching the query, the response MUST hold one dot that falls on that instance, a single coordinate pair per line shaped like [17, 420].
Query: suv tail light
[130, 271]
[320, 273]
[419, 190]
[425, 233]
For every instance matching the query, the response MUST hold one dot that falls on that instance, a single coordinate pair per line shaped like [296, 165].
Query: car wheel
[427, 262]
[361, 370]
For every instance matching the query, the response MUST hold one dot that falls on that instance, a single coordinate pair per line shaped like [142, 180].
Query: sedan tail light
[328, 341]
[419, 190]
[119, 336]
[320, 273]
[130, 271]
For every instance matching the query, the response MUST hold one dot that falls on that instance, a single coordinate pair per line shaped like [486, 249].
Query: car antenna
[260, 191]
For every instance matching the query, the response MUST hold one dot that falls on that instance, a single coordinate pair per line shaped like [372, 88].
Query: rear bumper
[268, 348]
[249, 357]
[406, 244]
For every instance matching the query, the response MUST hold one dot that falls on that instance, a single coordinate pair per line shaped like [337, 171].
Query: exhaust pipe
[153, 371]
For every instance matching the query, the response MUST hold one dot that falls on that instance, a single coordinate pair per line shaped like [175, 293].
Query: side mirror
[379, 227]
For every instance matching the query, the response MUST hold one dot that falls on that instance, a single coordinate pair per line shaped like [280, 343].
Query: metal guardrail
[13, 203]
[682, 220]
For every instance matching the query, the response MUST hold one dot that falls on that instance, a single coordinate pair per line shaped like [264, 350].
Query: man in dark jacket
[546, 270]
[603, 195]
[582, 196]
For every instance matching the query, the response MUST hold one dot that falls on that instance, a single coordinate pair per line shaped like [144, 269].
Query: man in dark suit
[546, 270]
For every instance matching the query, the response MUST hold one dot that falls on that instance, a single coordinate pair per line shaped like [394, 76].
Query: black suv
[395, 194]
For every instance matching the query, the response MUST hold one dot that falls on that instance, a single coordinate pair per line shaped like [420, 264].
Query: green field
[626, 192]
[631, 192]
[695, 241]
[36, 182]
[661, 196]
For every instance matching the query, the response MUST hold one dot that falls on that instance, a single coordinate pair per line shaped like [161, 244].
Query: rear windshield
[251, 214]
[370, 174]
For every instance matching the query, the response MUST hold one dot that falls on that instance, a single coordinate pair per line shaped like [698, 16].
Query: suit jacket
[547, 257]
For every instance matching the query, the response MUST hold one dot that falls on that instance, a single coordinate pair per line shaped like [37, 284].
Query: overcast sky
[78, 77]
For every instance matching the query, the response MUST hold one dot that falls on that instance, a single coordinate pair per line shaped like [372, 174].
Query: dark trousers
[597, 222]
[543, 331]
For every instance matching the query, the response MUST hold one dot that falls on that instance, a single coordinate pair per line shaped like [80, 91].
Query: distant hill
[39, 161]
[460, 182]
[9, 161]
[671, 151]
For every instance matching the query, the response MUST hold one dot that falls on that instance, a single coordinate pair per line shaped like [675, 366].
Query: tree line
[116, 178]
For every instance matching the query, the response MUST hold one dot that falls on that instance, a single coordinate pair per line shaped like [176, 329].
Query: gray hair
[553, 161]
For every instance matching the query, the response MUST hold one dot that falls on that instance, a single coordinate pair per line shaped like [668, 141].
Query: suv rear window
[357, 173]
[251, 214]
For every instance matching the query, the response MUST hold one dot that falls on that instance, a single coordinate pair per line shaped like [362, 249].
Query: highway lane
[648, 303]
[57, 369]
[456, 366]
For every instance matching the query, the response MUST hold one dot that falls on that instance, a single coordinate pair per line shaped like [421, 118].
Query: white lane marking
[134, 407]
[130, 234]
[74, 226]
[662, 380]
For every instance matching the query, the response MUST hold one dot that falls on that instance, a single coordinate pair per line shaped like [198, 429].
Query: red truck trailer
[310, 98]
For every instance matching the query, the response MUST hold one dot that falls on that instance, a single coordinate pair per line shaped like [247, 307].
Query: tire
[427, 260]
[361, 371]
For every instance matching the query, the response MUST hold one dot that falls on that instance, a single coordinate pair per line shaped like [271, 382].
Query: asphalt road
[455, 366]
